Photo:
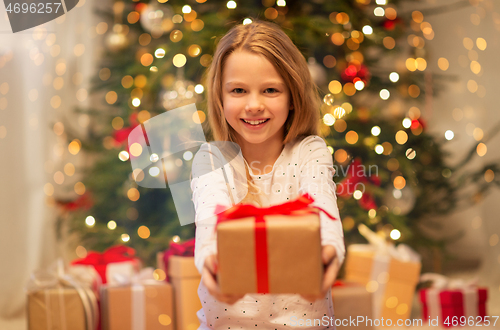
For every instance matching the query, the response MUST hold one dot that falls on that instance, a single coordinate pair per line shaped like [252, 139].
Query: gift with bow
[178, 263]
[274, 249]
[453, 301]
[184, 249]
[58, 300]
[391, 273]
[137, 302]
[118, 259]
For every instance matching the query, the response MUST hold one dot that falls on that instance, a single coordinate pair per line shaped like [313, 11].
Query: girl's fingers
[209, 282]
[330, 261]
[328, 252]
[210, 263]
[208, 278]
[329, 258]
[212, 286]
[330, 274]
[231, 299]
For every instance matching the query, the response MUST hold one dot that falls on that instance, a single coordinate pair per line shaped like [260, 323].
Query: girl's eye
[236, 90]
[272, 90]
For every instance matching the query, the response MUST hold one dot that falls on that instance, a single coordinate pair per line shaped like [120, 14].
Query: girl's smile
[255, 123]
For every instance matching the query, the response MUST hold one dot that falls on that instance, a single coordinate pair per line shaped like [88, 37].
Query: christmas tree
[369, 61]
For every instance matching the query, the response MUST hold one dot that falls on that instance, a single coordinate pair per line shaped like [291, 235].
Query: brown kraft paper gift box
[56, 309]
[185, 280]
[156, 301]
[293, 253]
[400, 281]
[351, 300]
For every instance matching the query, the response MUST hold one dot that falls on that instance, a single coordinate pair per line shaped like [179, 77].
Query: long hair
[269, 40]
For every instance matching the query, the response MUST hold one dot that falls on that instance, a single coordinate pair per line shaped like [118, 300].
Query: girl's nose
[254, 105]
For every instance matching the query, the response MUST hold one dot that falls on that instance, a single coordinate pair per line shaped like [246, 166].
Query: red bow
[299, 206]
[355, 175]
[238, 211]
[185, 249]
[100, 261]
[122, 134]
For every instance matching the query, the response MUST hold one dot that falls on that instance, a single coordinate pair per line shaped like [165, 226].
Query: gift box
[118, 259]
[452, 302]
[449, 305]
[56, 309]
[270, 250]
[184, 249]
[391, 276]
[137, 304]
[160, 263]
[56, 301]
[185, 280]
[350, 301]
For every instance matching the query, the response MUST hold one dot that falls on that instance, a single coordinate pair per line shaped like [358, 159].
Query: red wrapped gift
[452, 306]
[185, 249]
[263, 231]
[118, 259]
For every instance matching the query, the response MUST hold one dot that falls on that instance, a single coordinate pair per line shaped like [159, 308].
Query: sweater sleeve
[209, 189]
[316, 179]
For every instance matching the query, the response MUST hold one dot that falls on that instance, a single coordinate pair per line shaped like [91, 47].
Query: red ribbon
[185, 249]
[299, 206]
[100, 261]
[342, 283]
[339, 283]
[82, 202]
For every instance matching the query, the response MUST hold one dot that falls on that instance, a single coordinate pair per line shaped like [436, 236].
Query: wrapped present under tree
[57, 300]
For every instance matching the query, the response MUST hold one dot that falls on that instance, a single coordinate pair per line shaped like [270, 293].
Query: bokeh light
[111, 225]
[375, 130]
[384, 94]
[395, 234]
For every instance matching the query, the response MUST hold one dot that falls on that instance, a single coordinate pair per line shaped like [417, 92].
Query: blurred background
[408, 87]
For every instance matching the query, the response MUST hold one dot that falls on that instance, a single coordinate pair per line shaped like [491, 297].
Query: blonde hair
[269, 40]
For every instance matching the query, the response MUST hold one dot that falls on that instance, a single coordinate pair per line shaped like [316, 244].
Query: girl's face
[254, 91]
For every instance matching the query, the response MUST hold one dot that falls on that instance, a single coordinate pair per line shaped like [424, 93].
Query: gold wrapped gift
[287, 261]
[350, 301]
[185, 280]
[56, 309]
[147, 306]
[58, 301]
[392, 280]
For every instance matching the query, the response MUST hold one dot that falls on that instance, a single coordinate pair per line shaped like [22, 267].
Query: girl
[261, 96]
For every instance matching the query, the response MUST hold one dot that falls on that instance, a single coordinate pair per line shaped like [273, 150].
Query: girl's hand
[331, 262]
[210, 281]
